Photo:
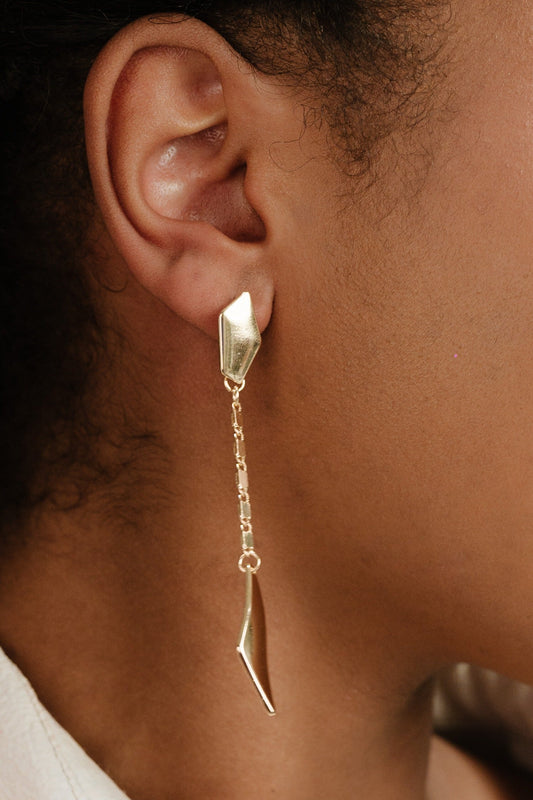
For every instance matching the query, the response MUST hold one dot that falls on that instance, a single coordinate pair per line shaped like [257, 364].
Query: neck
[126, 625]
[129, 641]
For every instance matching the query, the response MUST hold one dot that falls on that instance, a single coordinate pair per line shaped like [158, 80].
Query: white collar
[39, 760]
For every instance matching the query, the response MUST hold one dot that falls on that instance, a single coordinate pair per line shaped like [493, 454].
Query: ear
[168, 106]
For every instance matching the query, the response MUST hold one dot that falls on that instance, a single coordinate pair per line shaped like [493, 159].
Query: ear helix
[169, 157]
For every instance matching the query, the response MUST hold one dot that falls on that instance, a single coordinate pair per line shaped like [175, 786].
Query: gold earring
[239, 340]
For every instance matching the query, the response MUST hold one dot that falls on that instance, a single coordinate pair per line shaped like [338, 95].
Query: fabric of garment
[39, 760]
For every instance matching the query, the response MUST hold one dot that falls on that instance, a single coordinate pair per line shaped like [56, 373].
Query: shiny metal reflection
[239, 338]
[252, 641]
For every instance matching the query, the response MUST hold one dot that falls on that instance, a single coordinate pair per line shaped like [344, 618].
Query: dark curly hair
[368, 64]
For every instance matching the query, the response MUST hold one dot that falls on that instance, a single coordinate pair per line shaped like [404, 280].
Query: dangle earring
[240, 340]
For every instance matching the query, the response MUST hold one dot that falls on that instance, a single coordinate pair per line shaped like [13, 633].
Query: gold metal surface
[252, 641]
[239, 342]
[239, 338]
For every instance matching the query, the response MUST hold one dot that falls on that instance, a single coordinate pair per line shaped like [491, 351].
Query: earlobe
[169, 169]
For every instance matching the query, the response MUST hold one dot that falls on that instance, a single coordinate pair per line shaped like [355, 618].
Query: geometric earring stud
[239, 338]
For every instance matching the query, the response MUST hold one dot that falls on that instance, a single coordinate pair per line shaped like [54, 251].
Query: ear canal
[178, 183]
[174, 172]
[187, 169]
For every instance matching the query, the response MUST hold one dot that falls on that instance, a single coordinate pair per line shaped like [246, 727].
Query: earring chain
[249, 560]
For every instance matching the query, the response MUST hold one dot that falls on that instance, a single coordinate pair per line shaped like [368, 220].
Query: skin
[388, 422]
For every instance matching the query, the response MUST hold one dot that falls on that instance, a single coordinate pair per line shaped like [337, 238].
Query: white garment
[39, 759]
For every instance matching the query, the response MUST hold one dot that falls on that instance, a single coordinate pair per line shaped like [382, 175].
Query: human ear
[168, 105]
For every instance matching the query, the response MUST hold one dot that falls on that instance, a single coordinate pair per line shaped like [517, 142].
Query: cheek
[421, 432]
[415, 343]
[440, 437]
[447, 326]
[479, 186]
[419, 441]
